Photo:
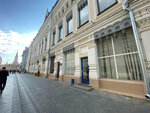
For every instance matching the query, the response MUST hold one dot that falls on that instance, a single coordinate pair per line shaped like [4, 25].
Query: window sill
[69, 34]
[83, 24]
[59, 40]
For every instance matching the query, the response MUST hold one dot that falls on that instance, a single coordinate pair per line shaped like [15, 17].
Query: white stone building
[39, 49]
[100, 43]
[24, 60]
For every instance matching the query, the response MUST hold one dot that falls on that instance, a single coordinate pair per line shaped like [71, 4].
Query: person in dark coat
[3, 79]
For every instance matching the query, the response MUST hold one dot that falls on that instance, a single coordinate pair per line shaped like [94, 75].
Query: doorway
[58, 68]
[85, 70]
[52, 64]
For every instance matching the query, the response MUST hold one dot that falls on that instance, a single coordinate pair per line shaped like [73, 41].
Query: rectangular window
[72, 1]
[83, 12]
[70, 63]
[118, 56]
[104, 4]
[60, 32]
[39, 48]
[69, 20]
[45, 43]
[44, 61]
[42, 47]
[52, 64]
[70, 26]
[54, 37]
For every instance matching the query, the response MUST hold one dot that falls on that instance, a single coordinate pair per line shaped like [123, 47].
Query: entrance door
[52, 65]
[85, 70]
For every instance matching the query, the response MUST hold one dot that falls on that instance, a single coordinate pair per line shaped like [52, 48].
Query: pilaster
[93, 74]
[77, 63]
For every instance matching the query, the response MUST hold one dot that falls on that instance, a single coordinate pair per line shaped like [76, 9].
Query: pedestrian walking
[3, 79]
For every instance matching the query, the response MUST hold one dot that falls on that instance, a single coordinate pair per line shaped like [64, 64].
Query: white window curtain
[118, 56]
[70, 63]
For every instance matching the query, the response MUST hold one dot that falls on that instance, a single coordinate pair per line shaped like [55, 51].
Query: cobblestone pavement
[6, 96]
[49, 96]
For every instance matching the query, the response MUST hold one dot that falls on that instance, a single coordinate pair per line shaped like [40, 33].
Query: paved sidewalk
[50, 96]
[6, 97]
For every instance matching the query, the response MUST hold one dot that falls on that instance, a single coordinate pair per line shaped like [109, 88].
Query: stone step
[86, 85]
[83, 87]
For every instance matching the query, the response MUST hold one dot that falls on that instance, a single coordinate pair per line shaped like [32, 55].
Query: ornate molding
[52, 54]
[144, 24]
[142, 14]
[112, 29]
[68, 48]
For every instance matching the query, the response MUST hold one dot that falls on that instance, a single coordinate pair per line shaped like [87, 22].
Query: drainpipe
[137, 40]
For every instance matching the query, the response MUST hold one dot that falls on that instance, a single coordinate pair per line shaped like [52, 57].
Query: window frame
[68, 20]
[98, 7]
[80, 25]
[54, 37]
[45, 44]
[59, 29]
[68, 33]
[39, 48]
[42, 46]
[68, 61]
[72, 1]
[44, 61]
[67, 5]
[116, 55]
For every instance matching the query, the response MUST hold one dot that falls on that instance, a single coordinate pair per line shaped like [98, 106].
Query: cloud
[11, 42]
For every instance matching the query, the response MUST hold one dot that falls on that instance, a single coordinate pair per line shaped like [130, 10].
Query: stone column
[93, 66]
[77, 64]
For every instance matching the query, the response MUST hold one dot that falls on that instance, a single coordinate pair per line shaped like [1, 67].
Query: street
[25, 93]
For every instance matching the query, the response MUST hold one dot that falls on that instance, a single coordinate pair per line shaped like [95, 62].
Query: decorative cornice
[112, 29]
[52, 54]
[68, 48]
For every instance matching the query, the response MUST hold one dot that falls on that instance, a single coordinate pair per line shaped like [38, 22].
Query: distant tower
[16, 59]
[0, 60]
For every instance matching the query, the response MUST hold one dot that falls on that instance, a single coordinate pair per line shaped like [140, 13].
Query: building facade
[38, 53]
[24, 60]
[94, 42]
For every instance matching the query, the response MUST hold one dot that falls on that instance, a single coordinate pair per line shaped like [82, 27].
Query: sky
[20, 21]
